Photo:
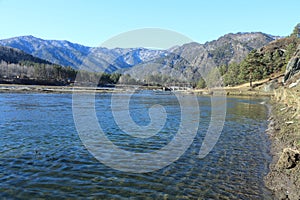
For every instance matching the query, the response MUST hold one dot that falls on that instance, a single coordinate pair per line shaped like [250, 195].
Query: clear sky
[91, 22]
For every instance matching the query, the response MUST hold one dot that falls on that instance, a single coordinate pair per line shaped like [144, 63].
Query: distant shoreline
[70, 89]
[229, 91]
[47, 89]
[239, 90]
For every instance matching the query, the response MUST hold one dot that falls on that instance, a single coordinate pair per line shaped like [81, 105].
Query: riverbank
[70, 89]
[48, 89]
[230, 91]
[263, 87]
[284, 132]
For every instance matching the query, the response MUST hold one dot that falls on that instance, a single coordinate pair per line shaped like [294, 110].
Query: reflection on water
[247, 108]
[41, 155]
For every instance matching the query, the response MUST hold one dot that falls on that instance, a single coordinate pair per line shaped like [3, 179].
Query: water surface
[42, 156]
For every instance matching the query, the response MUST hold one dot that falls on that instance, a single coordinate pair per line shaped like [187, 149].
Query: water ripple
[41, 155]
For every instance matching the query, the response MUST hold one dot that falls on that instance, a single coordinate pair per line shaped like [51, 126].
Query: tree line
[27, 72]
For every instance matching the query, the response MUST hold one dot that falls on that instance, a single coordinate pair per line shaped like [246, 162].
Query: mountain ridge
[192, 60]
[232, 47]
[78, 56]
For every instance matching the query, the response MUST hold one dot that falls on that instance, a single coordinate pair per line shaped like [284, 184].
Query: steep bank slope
[284, 129]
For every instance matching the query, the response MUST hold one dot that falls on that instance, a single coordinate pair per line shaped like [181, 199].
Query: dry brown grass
[289, 97]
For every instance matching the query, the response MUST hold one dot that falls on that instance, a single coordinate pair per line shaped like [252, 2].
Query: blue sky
[91, 22]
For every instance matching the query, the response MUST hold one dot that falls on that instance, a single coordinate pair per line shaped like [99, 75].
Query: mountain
[82, 57]
[188, 61]
[11, 55]
[192, 60]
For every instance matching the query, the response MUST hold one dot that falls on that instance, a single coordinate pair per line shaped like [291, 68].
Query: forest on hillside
[259, 63]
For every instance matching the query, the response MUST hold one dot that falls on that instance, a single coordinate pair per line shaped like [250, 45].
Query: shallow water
[42, 156]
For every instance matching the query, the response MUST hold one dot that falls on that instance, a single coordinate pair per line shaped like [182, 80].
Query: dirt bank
[284, 131]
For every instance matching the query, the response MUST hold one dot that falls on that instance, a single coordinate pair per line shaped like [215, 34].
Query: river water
[42, 156]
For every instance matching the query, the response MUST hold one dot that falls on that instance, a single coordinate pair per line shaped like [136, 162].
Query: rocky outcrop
[293, 67]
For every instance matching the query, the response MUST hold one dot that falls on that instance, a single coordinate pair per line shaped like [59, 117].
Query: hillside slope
[192, 60]
[12, 55]
[19, 67]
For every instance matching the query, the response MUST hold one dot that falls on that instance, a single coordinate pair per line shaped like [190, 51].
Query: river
[42, 155]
